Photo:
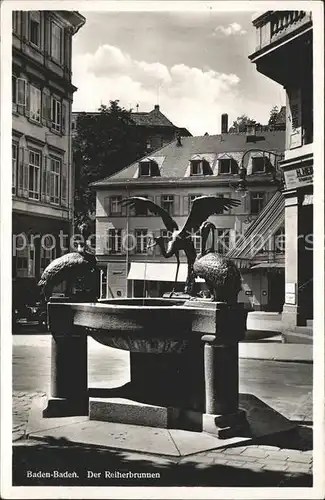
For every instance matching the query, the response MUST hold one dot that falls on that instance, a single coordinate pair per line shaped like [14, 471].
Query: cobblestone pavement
[286, 459]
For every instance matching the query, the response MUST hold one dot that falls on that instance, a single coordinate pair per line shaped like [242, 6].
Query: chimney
[156, 107]
[224, 123]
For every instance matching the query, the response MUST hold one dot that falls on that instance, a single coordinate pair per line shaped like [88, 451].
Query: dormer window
[261, 165]
[200, 167]
[148, 168]
[228, 166]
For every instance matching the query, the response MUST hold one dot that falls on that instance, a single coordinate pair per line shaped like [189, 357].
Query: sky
[193, 64]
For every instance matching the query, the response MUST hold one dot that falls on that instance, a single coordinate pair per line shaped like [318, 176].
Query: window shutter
[48, 110]
[43, 188]
[27, 107]
[185, 205]
[46, 107]
[63, 118]
[124, 210]
[25, 172]
[66, 47]
[176, 205]
[157, 199]
[21, 94]
[48, 179]
[107, 207]
[64, 184]
[20, 172]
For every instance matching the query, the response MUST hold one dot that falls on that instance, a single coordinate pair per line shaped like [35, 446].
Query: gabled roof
[176, 158]
[154, 118]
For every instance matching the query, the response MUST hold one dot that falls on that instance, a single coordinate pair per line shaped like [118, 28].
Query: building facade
[42, 174]
[173, 177]
[284, 53]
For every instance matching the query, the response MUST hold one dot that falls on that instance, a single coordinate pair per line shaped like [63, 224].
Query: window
[115, 240]
[141, 236]
[18, 92]
[257, 202]
[56, 42]
[167, 202]
[164, 233]
[259, 165]
[222, 241]
[200, 167]
[148, 168]
[48, 253]
[14, 167]
[115, 206]
[35, 104]
[34, 165]
[56, 114]
[25, 259]
[35, 28]
[55, 177]
[196, 167]
[16, 22]
[228, 166]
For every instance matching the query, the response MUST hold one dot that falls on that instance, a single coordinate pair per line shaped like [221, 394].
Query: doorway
[276, 286]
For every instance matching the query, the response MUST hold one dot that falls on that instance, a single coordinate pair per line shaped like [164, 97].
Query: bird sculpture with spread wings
[181, 238]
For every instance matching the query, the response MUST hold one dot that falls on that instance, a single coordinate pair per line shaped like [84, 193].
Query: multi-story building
[42, 176]
[284, 53]
[156, 129]
[173, 176]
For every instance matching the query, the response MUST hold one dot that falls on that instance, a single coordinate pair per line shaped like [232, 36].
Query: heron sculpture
[220, 274]
[70, 267]
[181, 239]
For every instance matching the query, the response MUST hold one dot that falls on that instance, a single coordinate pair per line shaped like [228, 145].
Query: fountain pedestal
[184, 363]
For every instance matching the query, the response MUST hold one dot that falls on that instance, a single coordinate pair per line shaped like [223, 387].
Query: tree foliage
[105, 143]
[273, 116]
[241, 123]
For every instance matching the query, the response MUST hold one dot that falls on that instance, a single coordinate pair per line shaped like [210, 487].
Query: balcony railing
[274, 25]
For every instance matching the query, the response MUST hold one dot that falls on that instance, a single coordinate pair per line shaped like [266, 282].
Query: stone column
[222, 414]
[221, 376]
[69, 385]
[298, 259]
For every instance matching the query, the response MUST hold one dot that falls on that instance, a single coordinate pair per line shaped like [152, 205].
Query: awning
[158, 271]
[257, 235]
[269, 265]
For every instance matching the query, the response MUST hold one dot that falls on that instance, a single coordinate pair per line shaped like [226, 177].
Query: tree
[273, 117]
[105, 143]
[241, 124]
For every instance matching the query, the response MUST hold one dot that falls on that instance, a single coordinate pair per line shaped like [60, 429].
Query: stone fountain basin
[146, 325]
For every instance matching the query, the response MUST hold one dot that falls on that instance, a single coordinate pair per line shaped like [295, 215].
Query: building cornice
[228, 181]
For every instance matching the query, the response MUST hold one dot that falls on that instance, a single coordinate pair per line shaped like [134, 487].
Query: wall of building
[42, 180]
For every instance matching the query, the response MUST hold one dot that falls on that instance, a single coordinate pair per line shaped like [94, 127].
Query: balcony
[276, 26]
